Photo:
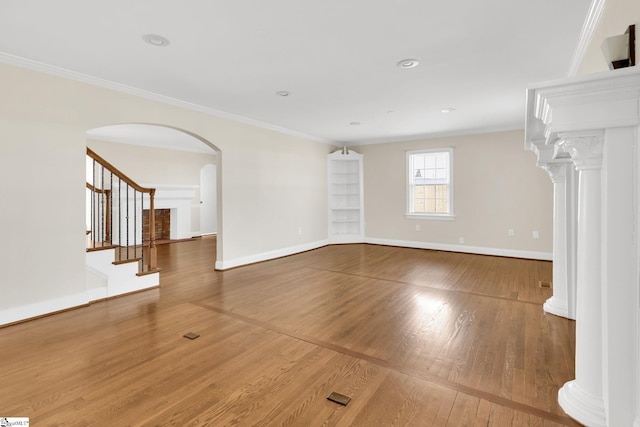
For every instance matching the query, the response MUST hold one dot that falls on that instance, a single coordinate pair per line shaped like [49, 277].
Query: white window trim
[437, 217]
[413, 215]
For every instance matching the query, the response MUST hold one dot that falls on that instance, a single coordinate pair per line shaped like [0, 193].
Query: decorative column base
[556, 307]
[582, 406]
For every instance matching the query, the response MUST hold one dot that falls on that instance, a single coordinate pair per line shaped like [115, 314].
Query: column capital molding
[585, 149]
[581, 104]
[557, 171]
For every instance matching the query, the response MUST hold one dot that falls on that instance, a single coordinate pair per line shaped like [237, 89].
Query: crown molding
[588, 28]
[432, 135]
[32, 65]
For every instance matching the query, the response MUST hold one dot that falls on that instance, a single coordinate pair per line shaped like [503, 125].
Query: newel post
[153, 250]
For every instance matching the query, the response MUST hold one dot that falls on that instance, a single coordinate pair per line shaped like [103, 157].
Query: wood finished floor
[415, 337]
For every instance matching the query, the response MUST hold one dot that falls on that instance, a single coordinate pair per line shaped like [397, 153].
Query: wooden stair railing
[116, 210]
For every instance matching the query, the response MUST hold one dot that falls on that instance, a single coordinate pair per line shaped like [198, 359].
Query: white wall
[42, 265]
[279, 187]
[270, 183]
[497, 187]
[154, 165]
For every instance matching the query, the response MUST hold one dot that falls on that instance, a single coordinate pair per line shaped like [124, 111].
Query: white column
[582, 398]
[558, 304]
[572, 239]
[607, 385]
[619, 275]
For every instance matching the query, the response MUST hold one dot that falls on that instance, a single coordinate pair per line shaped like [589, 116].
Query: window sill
[444, 217]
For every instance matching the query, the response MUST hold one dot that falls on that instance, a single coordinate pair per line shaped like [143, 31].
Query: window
[429, 183]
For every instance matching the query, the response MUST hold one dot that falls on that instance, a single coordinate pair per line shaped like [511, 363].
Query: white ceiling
[337, 58]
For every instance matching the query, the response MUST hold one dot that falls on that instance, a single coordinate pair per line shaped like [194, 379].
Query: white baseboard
[24, 312]
[479, 250]
[97, 294]
[265, 256]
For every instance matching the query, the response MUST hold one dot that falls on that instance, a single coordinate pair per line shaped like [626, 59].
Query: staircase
[121, 250]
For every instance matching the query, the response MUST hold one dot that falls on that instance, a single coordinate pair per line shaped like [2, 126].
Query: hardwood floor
[414, 337]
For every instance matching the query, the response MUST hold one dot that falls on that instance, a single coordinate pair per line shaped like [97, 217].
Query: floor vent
[339, 398]
[543, 284]
[191, 335]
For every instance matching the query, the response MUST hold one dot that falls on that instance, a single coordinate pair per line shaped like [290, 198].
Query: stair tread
[101, 248]
[126, 261]
[144, 273]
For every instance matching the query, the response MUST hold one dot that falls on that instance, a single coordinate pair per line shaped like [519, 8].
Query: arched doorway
[173, 159]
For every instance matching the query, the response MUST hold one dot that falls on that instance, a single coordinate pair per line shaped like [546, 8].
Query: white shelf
[346, 216]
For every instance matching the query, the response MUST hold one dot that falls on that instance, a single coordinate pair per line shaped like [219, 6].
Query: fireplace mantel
[182, 200]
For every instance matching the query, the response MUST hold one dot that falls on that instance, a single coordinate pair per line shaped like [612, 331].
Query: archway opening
[170, 160]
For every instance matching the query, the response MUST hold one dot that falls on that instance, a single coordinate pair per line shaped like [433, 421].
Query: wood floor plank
[415, 337]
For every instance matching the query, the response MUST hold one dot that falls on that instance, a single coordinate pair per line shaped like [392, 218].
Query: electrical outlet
[535, 234]
[417, 227]
[461, 240]
[510, 232]
[299, 231]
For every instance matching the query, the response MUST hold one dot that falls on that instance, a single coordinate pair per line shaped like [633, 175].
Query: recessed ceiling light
[355, 123]
[408, 63]
[282, 93]
[448, 110]
[156, 40]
